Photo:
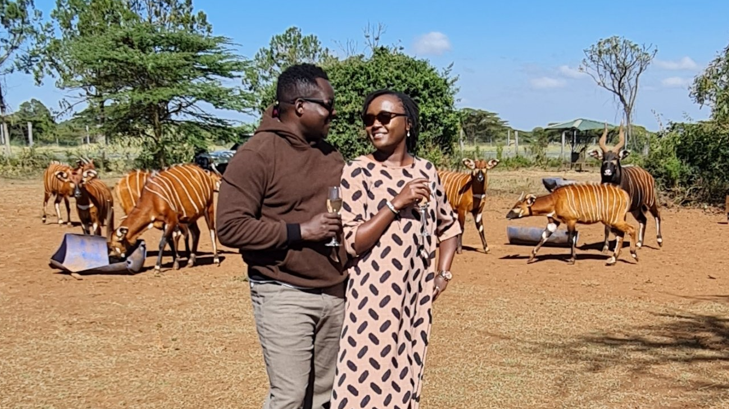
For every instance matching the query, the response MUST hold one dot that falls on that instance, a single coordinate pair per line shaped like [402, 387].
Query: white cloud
[435, 43]
[676, 82]
[684, 64]
[547, 83]
[569, 72]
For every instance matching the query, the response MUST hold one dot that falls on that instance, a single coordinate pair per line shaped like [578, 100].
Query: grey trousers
[299, 333]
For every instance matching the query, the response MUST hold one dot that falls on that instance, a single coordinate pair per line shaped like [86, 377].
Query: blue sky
[517, 58]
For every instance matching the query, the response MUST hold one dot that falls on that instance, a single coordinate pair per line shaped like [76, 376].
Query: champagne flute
[334, 205]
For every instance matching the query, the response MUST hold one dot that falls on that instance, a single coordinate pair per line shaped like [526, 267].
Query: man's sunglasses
[383, 117]
[328, 105]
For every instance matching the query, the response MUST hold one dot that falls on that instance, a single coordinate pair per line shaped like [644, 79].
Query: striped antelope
[635, 180]
[583, 204]
[466, 192]
[172, 200]
[94, 201]
[129, 188]
[53, 186]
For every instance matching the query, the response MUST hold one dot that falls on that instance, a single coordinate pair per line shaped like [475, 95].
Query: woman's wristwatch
[446, 275]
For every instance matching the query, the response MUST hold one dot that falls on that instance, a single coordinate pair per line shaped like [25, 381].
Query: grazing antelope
[53, 186]
[172, 200]
[129, 188]
[466, 192]
[635, 180]
[583, 204]
[94, 201]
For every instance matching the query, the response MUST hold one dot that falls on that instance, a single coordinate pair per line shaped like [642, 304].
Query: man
[272, 206]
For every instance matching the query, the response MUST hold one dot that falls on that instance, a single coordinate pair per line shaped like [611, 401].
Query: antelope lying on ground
[172, 200]
[94, 202]
[466, 192]
[639, 184]
[583, 204]
[53, 186]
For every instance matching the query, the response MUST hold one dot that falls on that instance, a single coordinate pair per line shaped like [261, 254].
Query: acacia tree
[616, 65]
[79, 21]
[155, 81]
[481, 125]
[145, 68]
[19, 20]
[712, 87]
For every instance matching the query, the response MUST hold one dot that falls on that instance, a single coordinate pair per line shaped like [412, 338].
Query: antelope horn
[521, 197]
[602, 140]
[621, 139]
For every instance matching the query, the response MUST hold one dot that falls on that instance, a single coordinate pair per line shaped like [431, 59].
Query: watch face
[447, 275]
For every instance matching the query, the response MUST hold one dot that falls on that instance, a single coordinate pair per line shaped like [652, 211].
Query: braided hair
[411, 113]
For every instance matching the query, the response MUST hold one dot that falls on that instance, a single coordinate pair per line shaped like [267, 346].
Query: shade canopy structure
[579, 125]
[581, 135]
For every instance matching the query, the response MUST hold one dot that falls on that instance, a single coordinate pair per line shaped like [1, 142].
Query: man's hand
[321, 227]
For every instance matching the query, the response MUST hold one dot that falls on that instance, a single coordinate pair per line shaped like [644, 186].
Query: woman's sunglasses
[383, 117]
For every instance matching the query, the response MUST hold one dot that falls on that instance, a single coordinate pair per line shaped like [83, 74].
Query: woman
[393, 280]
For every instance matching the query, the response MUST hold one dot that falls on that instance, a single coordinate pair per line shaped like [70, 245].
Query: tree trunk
[6, 134]
[629, 128]
[30, 134]
[158, 140]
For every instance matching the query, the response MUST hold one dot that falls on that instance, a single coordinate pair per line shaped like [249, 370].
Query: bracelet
[392, 208]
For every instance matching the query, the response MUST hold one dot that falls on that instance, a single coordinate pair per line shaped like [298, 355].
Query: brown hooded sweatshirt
[276, 181]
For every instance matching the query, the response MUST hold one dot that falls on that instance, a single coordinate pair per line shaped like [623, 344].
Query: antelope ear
[61, 175]
[492, 164]
[596, 154]
[469, 163]
[90, 174]
[121, 232]
[624, 154]
[530, 199]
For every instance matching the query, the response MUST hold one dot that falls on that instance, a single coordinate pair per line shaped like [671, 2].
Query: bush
[28, 162]
[434, 91]
[691, 162]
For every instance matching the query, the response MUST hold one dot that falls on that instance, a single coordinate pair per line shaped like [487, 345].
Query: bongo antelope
[466, 192]
[580, 204]
[172, 200]
[639, 184]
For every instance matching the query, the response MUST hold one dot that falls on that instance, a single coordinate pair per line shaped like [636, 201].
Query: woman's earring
[408, 133]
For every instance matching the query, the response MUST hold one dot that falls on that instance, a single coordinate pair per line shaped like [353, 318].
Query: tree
[616, 65]
[19, 20]
[712, 87]
[145, 68]
[434, 91]
[481, 125]
[41, 118]
[81, 20]
[155, 80]
[284, 50]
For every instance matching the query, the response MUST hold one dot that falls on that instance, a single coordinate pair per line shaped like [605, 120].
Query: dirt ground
[506, 334]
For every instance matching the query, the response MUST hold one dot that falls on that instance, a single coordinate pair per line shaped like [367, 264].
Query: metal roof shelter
[578, 127]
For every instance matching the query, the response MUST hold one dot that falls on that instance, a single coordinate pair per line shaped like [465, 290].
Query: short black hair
[412, 113]
[298, 81]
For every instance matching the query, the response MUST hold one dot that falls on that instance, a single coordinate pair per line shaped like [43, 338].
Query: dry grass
[505, 335]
